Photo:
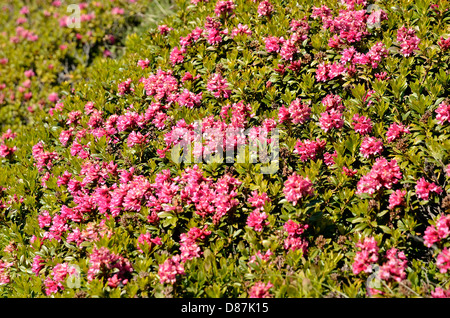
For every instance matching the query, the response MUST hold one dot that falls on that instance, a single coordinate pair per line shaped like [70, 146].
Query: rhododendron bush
[148, 177]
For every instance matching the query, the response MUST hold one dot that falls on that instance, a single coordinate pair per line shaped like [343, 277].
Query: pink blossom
[443, 113]
[331, 119]
[438, 292]
[349, 172]
[53, 97]
[189, 99]
[333, 102]
[146, 242]
[263, 257]
[162, 85]
[164, 29]
[439, 231]
[4, 275]
[288, 50]
[362, 124]
[136, 138]
[260, 290]
[366, 256]
[371, 146]
[143, 63]
[256, 220]
[176, 56]
[328, 158]
[258, 200]
[241, 29]
[443, 260]
[169, 270]
[444, 44]
[396, 199]
[309, 149]
[224, 8]
[125, 87]
[408, 40]
[296, 188]
[423, 189]
[218, 86]
[384, 173]
[37, 265]
[396, 131]
[395, 266]
[103, 263]
[273, 44]
[265, 8]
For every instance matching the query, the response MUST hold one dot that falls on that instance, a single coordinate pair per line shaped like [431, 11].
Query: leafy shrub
[94, 203]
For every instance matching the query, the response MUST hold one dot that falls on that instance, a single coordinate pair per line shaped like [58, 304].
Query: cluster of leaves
[49, 176]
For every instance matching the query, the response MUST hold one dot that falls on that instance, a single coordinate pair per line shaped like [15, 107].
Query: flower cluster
[113, 267]
[294, 241]
[366, 256]
[383, 174]
[423, 189]
[296, 187]
[435, 233]
[408, 40]
[296, 113]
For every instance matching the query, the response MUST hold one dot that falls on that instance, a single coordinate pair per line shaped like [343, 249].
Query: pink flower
[443, 113]
[164, 29]
[146, 242]
[308, 149]
[176, 56]
[218, 86]
[396, 131]
[125, 87]
[328, 158]
[333, 102]
[136, 138]
[331, 119]
[440, 293]
[288, 50]
[265, 8]
[224, 8]
[362, 124]
[4, 275]
[241, 29]
[366, 256]
[444, 44]
[383, 174]
[273, 44]
[349, 172]
[189, 99]
[260, 290]
[169, 270]
[103, 263]
[256, 220]
[143, 63]
[443, 260]
[437, 232]
[396, 199]
[263, 257]
[371, 146]
[408, 40]
[395, 266]
[258, 200]
[296, 188]
[53, 97]
[423, 189]
[162, 85]
[37, 265]
[296, 113]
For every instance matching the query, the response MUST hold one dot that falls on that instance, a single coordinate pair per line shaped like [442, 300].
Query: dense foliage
[355, 204]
